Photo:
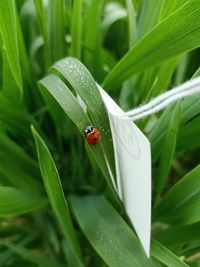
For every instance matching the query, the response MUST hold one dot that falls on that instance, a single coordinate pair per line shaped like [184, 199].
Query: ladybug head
[88, 129]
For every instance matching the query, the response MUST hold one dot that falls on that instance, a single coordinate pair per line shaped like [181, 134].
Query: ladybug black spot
[95, 139]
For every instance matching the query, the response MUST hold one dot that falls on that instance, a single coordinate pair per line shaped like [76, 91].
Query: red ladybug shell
[92, 135]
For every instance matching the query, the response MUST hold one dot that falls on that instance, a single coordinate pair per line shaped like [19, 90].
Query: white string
[187, 89]
[164, 104]
[184, 87]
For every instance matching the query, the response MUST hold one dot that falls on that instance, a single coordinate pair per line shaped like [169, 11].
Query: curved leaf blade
[181, 203]
[76, 29]
[31, 256]
[69, 103]
[8, 29]
[16, 202]
[168, 149]
[176, 34]
[178, 236]
[84, 85]
[165, 256]
[108, 233]
[56, 195]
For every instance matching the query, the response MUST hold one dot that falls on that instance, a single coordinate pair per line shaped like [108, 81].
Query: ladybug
[92, 135]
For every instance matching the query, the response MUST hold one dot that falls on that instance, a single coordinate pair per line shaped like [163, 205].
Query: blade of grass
[8, 29]
[181, 69]
[131, 22]
[10, 88]
[84, 85]
[31, 256]
[56, 87]
[25, 63]
[57, 113]
[8, 255]
[18, 155]
[165, 256]
[56, 195]
[17, 177]
[16, 202]
[169, 6]
[178, 236]
[107, 232]
[163, 78]
[168, 150]
[76, 29]
[57, 28]
[43, 26]
[138, 4]
[197, 73]
[18, 168]
[32, 98]
[148, 16]
[188, 137]
[190, 109]
[177, 34]
[180, 205]
[16, 120]
[92, 39]
[66, 99]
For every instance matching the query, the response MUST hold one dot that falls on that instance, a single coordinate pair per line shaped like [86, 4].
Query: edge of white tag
[133, 170]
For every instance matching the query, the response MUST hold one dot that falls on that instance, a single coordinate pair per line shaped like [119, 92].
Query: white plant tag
[133, 170]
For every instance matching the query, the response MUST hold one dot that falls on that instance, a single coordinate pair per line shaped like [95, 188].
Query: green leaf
[179, 236]
[18, 155]
[168, 150]
[181, 203]
[56, 195]
[138, 3]
[10, 88]
[169, 6]
[189, 107]
[131, 22]
[31, 256]
[76, 29]
[16, 202]
[197, 73]
[24, 59]
[57, 113]
[30, 94]
[19, 168]
[188, 137]
[163, 78]
[43, 26]
[177, 34]
[92, 38]
[181, 69]
[61, 93]
[165, 256]
[8, 30]
[8, 254]
[56, 20]
[148, 16]
[84, 85]
[81, 82]
[108, 233]
[18, 121]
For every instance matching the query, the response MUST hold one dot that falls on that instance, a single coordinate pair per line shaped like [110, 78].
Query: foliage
[58, 206]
